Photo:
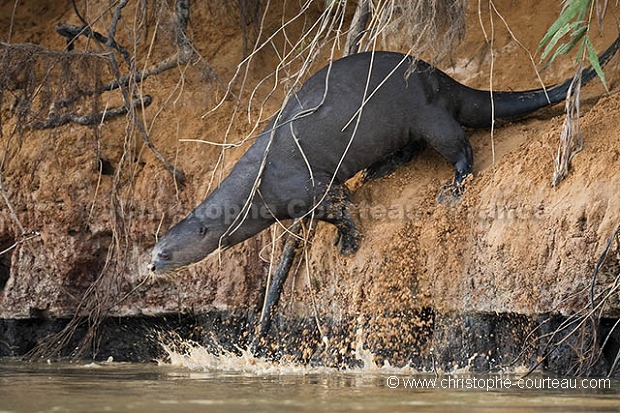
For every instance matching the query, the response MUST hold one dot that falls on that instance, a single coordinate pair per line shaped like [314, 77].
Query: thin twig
[179, 176]
[25, 237]
[72, 32]
[55, 121]
[599, 263]
[8, 204]
[571, 139]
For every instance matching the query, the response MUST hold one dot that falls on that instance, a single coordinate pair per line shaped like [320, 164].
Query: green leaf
[564, 48]
[574, 27]
[571, 8]
[593, 58]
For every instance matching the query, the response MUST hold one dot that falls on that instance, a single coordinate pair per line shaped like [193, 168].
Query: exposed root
[55, 121]
[571, 140]
[30, 74]
[276, 284]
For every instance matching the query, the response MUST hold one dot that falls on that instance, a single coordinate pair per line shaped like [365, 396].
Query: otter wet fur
[366, 112]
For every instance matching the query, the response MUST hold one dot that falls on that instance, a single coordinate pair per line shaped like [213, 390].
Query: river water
[198, 381]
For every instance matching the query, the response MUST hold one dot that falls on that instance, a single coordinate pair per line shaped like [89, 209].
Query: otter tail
[513, 105]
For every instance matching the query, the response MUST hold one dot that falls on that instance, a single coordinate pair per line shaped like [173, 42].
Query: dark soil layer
[480, 342]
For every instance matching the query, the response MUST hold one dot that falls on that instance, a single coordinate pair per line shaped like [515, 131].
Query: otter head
[188, 242]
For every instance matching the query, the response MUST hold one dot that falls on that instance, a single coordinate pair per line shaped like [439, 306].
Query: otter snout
[159, 261]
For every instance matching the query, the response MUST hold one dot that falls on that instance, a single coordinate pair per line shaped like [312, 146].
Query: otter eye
[202, 231]
[164, 255]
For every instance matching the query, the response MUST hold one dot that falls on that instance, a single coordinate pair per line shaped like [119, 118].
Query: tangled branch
[102, 295]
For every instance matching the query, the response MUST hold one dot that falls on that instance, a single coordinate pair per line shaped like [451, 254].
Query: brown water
[243, 384]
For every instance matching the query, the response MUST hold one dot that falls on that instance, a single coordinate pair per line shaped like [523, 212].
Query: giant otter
[369, 111]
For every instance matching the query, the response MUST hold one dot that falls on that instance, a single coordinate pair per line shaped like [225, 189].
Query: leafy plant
[575, 21]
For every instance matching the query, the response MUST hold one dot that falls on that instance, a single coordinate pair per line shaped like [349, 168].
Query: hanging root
[358, 27]
[274, 290]
[432, 27]
[54, 120]
[186, 54]
[50, 89]
[571, 140]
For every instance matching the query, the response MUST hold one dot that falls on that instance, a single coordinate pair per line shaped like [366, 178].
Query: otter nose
[160, 256]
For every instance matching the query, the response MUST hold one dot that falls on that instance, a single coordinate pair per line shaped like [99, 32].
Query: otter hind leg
[335, 210]
[390, 163]
[448, 138]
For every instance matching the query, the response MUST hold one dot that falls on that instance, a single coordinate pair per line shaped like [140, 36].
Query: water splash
[187, 354]
[190, 355]
[365, 355]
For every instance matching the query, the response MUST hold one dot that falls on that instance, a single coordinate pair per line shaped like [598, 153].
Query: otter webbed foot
[450, 194]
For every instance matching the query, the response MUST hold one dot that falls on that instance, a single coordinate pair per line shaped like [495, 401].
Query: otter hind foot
[450, 194]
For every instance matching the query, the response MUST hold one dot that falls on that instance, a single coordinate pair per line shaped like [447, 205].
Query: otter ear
[202, 230]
